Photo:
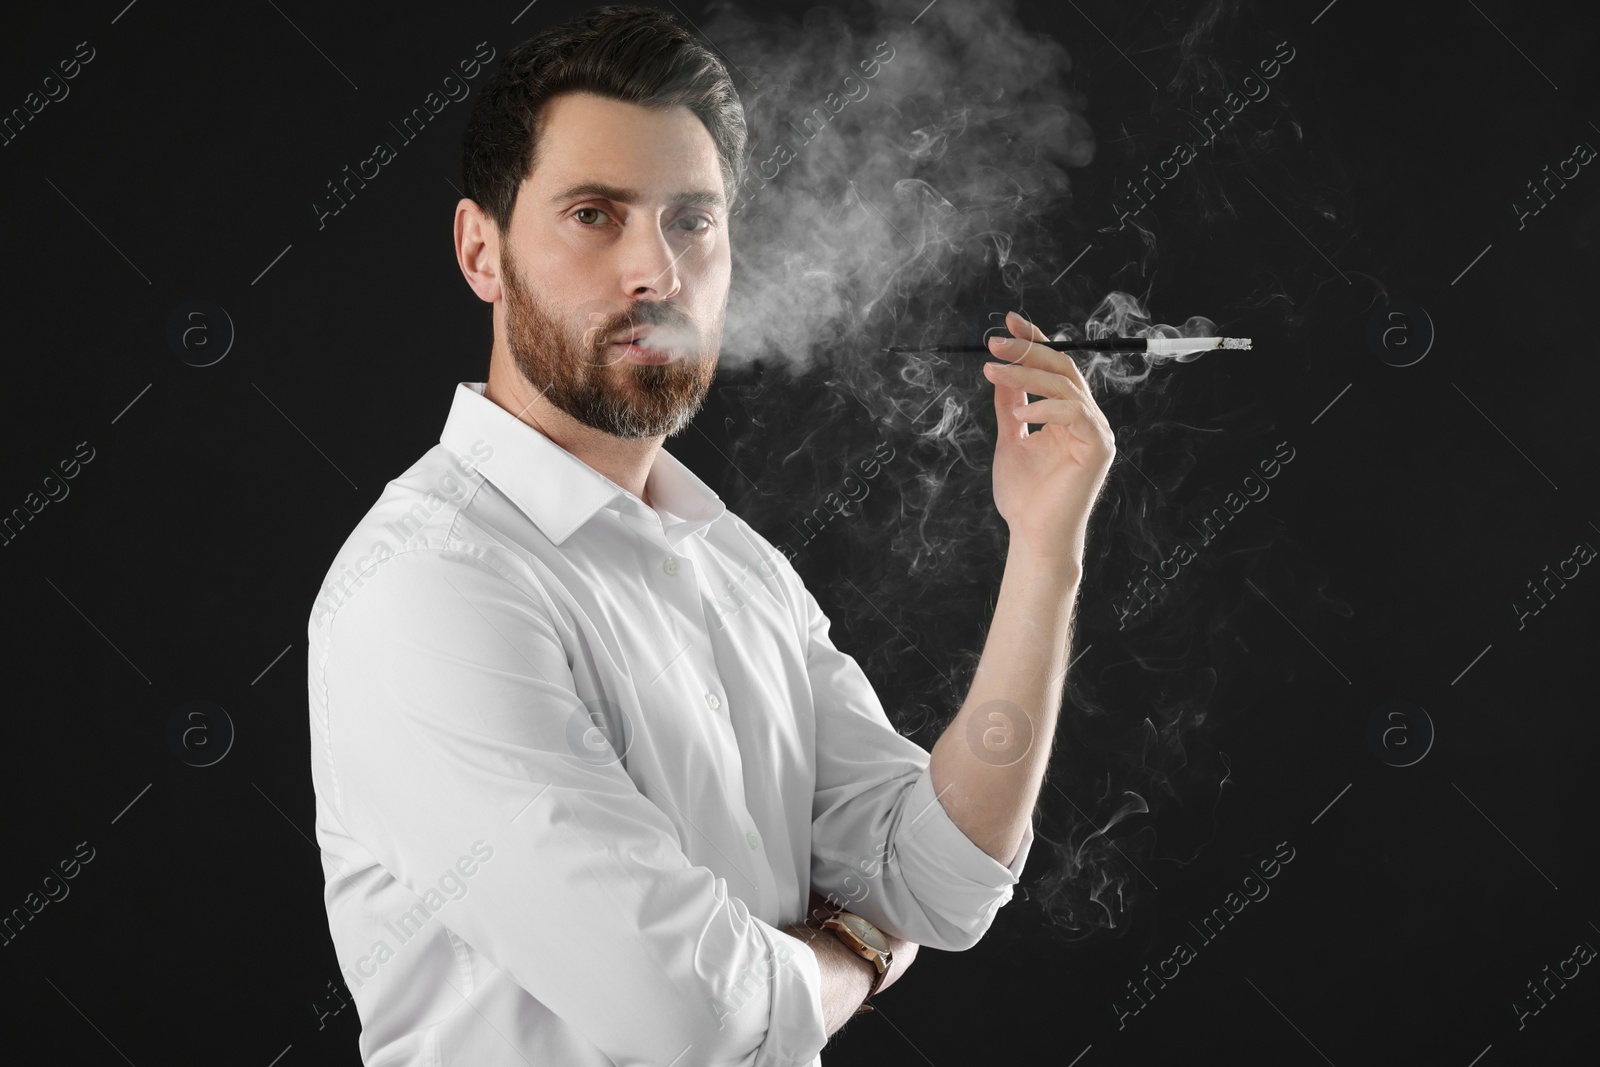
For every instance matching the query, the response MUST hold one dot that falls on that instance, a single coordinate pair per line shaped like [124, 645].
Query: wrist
[1056, 564]
[848, 977]
[1053, 549]
[857, 936]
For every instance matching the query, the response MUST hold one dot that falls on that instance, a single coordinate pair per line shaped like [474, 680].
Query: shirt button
[755, 842]
[714, 701]
[671, 565]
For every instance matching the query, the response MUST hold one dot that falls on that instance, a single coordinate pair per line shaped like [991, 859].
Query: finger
[1024, 352]
[1019, 347]
[1068, 413]
[1034, 380]
[1006, 397]
[1045, 384]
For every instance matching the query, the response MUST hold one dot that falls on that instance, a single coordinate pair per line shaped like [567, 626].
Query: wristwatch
[868, 942]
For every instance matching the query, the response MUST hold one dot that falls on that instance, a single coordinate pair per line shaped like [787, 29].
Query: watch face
[865, 931]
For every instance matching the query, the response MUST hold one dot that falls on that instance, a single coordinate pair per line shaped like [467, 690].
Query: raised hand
[1045, 482]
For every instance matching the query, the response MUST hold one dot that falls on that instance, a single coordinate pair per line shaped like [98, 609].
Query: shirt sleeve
[882, 845]
[456, 727]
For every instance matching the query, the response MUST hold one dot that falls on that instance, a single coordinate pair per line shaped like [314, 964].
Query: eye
[696, 218]
[581, 210]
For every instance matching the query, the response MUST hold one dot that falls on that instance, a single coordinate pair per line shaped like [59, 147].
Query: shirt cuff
[945, 870]
[796, 1031]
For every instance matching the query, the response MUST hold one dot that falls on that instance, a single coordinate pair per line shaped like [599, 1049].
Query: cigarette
[1161, 346]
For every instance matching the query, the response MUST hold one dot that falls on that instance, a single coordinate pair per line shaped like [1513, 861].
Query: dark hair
[623, 52]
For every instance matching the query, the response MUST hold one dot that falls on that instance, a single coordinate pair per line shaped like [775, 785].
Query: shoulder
[442, 518]
[421, 586]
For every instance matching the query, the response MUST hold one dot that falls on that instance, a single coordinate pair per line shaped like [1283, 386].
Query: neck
[625, 461]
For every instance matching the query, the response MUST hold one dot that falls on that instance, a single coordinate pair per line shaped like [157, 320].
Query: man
[582, 748]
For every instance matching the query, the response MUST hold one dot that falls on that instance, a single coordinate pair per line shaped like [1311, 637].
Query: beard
[614, 395]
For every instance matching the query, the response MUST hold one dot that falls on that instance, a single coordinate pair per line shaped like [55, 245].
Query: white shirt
[577, 758]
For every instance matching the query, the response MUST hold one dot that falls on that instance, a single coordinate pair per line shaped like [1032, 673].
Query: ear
[478, 250]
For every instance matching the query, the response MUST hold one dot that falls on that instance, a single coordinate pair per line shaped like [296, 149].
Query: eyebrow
[695, 198]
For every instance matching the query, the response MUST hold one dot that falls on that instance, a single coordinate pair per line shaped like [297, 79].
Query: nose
[650, 265]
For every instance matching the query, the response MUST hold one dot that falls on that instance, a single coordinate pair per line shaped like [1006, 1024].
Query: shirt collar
[559, 491]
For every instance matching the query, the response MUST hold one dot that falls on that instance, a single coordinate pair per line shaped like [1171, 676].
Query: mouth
[636, 348]
[634, 338]
[648, 345]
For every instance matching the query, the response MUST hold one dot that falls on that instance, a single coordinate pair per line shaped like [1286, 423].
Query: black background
[1384, 565]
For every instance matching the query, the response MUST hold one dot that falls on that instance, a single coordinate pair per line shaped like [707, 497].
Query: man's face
[584, 268]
